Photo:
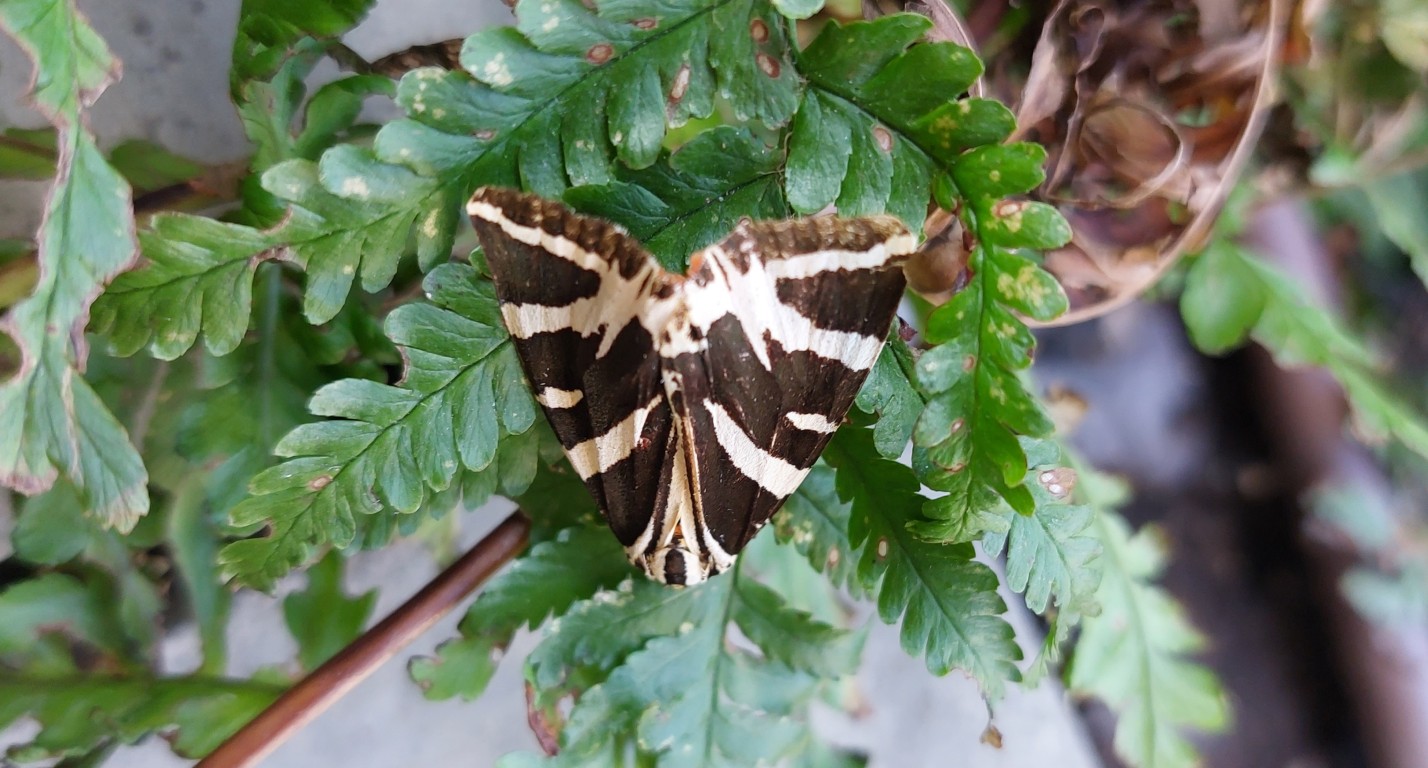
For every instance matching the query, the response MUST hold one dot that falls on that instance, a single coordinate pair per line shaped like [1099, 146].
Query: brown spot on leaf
[758, 30]
[319, 482]
[599, 53]
[883, 138]
[646, 23]
[485, 134]
[969, 363]
[681, 84]
[544, 723]
[1007, 208]
[1058, 482]
[768, 64]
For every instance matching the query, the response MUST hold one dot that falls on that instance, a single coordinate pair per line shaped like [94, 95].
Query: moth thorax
[676, 566]
[680, 335]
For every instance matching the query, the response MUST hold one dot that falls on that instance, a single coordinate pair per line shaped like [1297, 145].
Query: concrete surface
[176, 54]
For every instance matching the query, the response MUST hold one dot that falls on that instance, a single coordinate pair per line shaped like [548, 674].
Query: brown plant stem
[329, 682]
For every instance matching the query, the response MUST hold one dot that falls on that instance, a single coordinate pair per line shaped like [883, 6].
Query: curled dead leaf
[1149, 112]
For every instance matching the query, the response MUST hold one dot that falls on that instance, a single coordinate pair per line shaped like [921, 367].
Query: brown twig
[328, 683]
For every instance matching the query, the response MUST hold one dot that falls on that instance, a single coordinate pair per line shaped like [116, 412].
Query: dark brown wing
[793, 316]
[571, 289]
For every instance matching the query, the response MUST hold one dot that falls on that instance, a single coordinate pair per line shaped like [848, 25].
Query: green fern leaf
[51, 421]
[892, 104]
[1230, 294]
[198, 279]
[815, 521]
[322, 618]
[946, 601]
[855, 141]
[689, 696]
[1052, 554]
[388, 447]
[81, 714]
[558, 98]
[545, 581]
[1132, 655]
[695, 198]
[890, 393]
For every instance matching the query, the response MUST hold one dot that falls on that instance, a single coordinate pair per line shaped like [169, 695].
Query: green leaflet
[1230, 294]
[893, 105]
[667, 675]
[80, 714]
[1132, 655]
[1052, 555]
[363, 234]
[566, 92]
[54, 531]
[56, 601]
[73, 66]
[1397, 203]
[51, 422]
[890, 393]
[269, 29]
[856, 140]
[695, 198]
[977, 405]
[194, 539]
[205, 268]
[322, 618]
[815, 521]
[198, 279]
[198, 272]
[947, 602]
[545, 581]
[388, 447]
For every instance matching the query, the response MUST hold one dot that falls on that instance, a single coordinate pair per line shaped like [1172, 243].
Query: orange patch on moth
[681, 84]
[768, 64]
[883, 137]
[758, 30]
[599, 53]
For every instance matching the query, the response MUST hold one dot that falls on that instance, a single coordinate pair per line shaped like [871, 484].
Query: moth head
[676, 566]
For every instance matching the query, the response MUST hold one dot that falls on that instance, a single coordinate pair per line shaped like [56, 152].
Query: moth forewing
[691, 405]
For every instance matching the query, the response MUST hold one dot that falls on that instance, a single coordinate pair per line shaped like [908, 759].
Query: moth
[691, 405]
